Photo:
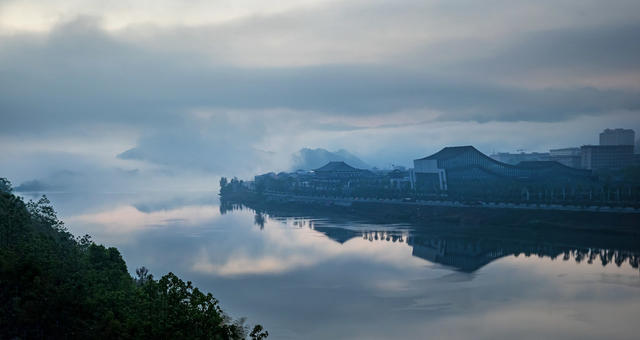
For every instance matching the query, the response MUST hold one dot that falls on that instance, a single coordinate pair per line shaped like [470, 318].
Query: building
[399, 179]
[340, 170]
[571, 157]
[464, 166]
[515, 158]
[617, 137]
[340, 176]
[600, 157]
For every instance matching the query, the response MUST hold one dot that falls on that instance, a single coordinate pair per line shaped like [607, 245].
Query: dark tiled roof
[336, 167]
[451, 152]
[547, 165]
[455, 151]
[538, 164]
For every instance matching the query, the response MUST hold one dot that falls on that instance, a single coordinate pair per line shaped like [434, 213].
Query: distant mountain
[132, 154]
[309, 159]
[34, 186]
[56, 181]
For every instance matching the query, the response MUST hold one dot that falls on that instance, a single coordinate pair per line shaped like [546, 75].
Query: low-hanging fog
[111, 97]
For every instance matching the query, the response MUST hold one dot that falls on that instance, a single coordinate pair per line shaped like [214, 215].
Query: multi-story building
[617, 137]
[599, 157]
[571, 157]
[614, 152]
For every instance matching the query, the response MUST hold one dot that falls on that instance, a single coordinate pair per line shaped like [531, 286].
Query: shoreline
[351, 201]
[460, 214]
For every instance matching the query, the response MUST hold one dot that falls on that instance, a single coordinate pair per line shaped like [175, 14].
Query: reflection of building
[617, 137]
[568, 156]
[597, 157]
[339, 235]
[464, 248]
[515, 158]
[464, 256]
[468, 254]
[455, 166]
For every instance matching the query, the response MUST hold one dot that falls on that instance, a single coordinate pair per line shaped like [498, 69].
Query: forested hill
[53, 285]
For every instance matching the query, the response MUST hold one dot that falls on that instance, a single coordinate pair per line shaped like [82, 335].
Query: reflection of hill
[468, 248]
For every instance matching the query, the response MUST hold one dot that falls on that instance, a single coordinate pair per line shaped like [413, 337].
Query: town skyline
[183, 93]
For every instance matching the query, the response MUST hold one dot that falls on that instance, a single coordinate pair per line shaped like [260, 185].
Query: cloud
[276, 250]
[79, 74]
[216, 150]
[242, 93]
[604, 57]
[128, 219]
[41, 15]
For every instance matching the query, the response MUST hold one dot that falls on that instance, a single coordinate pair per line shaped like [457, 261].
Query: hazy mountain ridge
[308, 159]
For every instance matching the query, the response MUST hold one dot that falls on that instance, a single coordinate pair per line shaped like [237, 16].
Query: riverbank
[425, 212]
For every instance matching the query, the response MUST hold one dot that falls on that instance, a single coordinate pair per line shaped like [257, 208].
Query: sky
[164, 93]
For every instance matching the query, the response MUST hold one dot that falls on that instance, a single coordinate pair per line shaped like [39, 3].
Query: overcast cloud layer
[234, 87]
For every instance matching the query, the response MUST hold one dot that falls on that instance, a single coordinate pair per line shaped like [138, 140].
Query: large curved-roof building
[460, 164]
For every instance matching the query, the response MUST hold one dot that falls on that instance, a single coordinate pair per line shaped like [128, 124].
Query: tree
[5, 185]
[53, 285]
[143, 275]
[258, 333]
[43, 212]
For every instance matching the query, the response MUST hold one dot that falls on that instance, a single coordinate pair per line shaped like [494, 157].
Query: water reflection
[468, 249]
[309, 274]
[259, 220]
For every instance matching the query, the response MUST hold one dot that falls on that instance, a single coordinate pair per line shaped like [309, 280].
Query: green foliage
[5, 185]
[258, 333]
[223, 183]
[55, 286]
[43, 213]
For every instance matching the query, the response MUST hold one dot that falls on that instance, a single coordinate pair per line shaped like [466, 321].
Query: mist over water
[321, 277]
[128, 114]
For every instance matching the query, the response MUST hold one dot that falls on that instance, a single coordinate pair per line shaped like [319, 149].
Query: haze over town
[124, 96]
[319, 169]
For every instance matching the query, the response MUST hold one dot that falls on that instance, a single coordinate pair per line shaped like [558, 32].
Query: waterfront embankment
[428, 211]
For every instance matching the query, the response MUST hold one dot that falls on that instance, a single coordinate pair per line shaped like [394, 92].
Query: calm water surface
[309, 276]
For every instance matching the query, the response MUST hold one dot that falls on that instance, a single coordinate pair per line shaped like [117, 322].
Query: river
[311, 276]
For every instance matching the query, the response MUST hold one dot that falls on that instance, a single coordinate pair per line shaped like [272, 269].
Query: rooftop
[451, 152]
[336, 166]
[547, 164]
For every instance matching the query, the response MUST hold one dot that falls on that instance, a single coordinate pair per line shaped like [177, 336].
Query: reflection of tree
[468, 248]
[457, 249]
[299, 223]
[386, 235]
[227, 206]
[259, 220]
[469, 253]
